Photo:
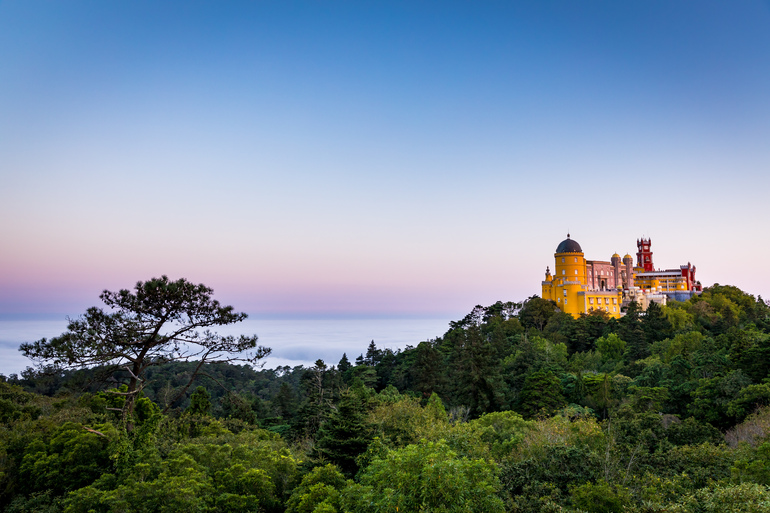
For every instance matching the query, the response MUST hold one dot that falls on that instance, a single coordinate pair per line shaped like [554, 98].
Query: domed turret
[569, 246]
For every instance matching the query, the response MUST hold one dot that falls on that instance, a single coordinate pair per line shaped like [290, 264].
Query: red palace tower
[644, 254]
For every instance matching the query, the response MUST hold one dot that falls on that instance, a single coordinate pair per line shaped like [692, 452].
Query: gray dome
[569, 246]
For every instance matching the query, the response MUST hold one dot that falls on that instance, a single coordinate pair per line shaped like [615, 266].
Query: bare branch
[95, 432]
[132, 374]
[186, 387]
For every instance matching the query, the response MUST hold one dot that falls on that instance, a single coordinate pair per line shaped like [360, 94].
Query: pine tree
[373, 355]
[344, 364]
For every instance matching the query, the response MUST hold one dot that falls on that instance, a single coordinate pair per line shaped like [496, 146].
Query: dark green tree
[317, 399]
[427, 371]
[344, 365]
[542, 393]
[654, 324]
[479, 383]
[200, 402]
[286, 402]
[373, 355]
[629, 328]
[346, 433]
[321, 486]
[536, 312]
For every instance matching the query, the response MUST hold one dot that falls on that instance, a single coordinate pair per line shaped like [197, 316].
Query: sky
[366, 158]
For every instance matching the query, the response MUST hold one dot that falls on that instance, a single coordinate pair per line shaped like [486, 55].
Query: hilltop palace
[579, 286]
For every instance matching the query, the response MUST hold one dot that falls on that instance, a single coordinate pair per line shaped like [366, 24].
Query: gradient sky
[375, 158]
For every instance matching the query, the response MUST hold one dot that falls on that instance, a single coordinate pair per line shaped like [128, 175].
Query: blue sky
[375, 158]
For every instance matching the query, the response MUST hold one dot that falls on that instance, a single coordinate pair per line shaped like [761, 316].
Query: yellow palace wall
[567, 287]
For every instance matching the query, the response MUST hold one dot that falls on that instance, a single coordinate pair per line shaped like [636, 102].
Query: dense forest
[517, 407]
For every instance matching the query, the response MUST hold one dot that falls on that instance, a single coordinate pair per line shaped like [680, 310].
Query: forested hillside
[517, 407]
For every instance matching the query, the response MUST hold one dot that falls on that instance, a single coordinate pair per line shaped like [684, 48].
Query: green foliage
[683, 344]
[611, 347]
[536, 312]
[541, 395]
[477, 370]
[40, 502]
[69, 458]
[405, 422]
[743, 498]
[427, 476]
[754, 466]
[501, 432]
[200, 402]
[231, 473]
[16, 404]
[319, 489]
[180, 485]
[713, 396]
[647, 398]
[678, 317]
[600, 497]
[557, 465]
[692, 432]
[694, 466]
[749, 399]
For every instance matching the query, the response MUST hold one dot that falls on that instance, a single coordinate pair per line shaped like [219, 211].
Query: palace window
[575, 271]
[562, 260]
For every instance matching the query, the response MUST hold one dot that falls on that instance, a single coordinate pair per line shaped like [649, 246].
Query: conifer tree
[346, 433]
[630, 330]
